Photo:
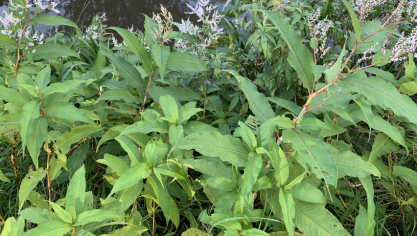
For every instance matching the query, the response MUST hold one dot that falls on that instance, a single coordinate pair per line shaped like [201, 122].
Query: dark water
[121, 13]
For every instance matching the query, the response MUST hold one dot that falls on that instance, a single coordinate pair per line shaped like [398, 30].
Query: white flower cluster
[404, 46]
[96, 30]
[318, 31]
[210, 18]
[364, 6]
[51, 5]
[164, 21]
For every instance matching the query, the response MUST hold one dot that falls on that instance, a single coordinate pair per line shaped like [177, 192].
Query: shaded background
[121, 13]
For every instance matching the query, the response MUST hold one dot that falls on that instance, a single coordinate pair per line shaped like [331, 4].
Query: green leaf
[369, 188]
[408, 174]
[52, 51]
[381, 93]
[355, 21]
[61, 213]
[193, 232]
[313, 152]
[67, 111]
[115, 163]
[169, 106]
[361, 222]
[252, 170]
[258, 103]
[155, 152]
[53, 228]
[62, 87]
[160, 54]
[130, 195]
[350, 164]
[279, 162]
[135, 45]
[332, 72]
[299, 57]
[409, 88]
[29, 114]
[3, 177]
[131, 148]
[186, 111]
[126, 70]
[38, 215]
[119, 94]
[162, 195]
[43, 78]
[75, 198]
[222, 183]
[214, 144]
[75, 135]
[36, 133]
[131, 177]
[198, 127]
[146, 127]
[5, 40]
[12, 96]
[253, 232]
[286, 202]
[209, 166]
[184, 62]
[307, 192]
[247, 135]
[29, 183]
[51, 20]
[96, 215]
[314, 219]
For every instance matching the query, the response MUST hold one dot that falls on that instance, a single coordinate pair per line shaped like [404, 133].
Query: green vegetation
[269, 118]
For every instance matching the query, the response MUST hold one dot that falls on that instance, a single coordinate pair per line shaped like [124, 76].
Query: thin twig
[12, 158]
[153, 220]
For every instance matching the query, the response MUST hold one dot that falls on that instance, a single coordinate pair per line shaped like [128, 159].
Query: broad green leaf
[130, 195]
[131, 177]
[406, 173]
[169, 106]
[67, 111]
[267, 128]
[194, 232]
[221, 183]
[209, 166]
[198, 127]
[131, 148]
[254, 232]
[52, 51]
[146, 127]
[307, 193]
[300, 58]
[279, 162]
[252, 170]
[369, 188]
[355, 21]
[38, 215]
[176, 133]
[227, 147]
[185, 63]
[29, 114]
[186, 111]
[288, 211]
[361, 222]
[287, 104]
[160, 54]
[119, 94]
[313, 152]
[96, 215]
[115, 163]
[314, 219]
[29, 183]
[126, 70]
[43, 78]
[53, 228]
[172, 170]
[128, 230]
[51, 20]
[61, 213]
[350, 164]
[258, 103]
[75, 198]
[247, 135]
[332, 72]
[381, 93]
[155, 152]
[12, 96]
[5, 40]
[150, 27]
[162, 195]
[135, 45]
[409, 88]
[175, 215]
[62, 87]
[75, 135]
[3, 177]
[36, 133]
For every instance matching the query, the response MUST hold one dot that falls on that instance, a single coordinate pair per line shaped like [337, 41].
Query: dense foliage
[265, 118]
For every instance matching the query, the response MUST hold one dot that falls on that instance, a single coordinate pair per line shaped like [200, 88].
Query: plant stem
[2, 219]
[12, 158]
[49, 179]
[153, 220]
